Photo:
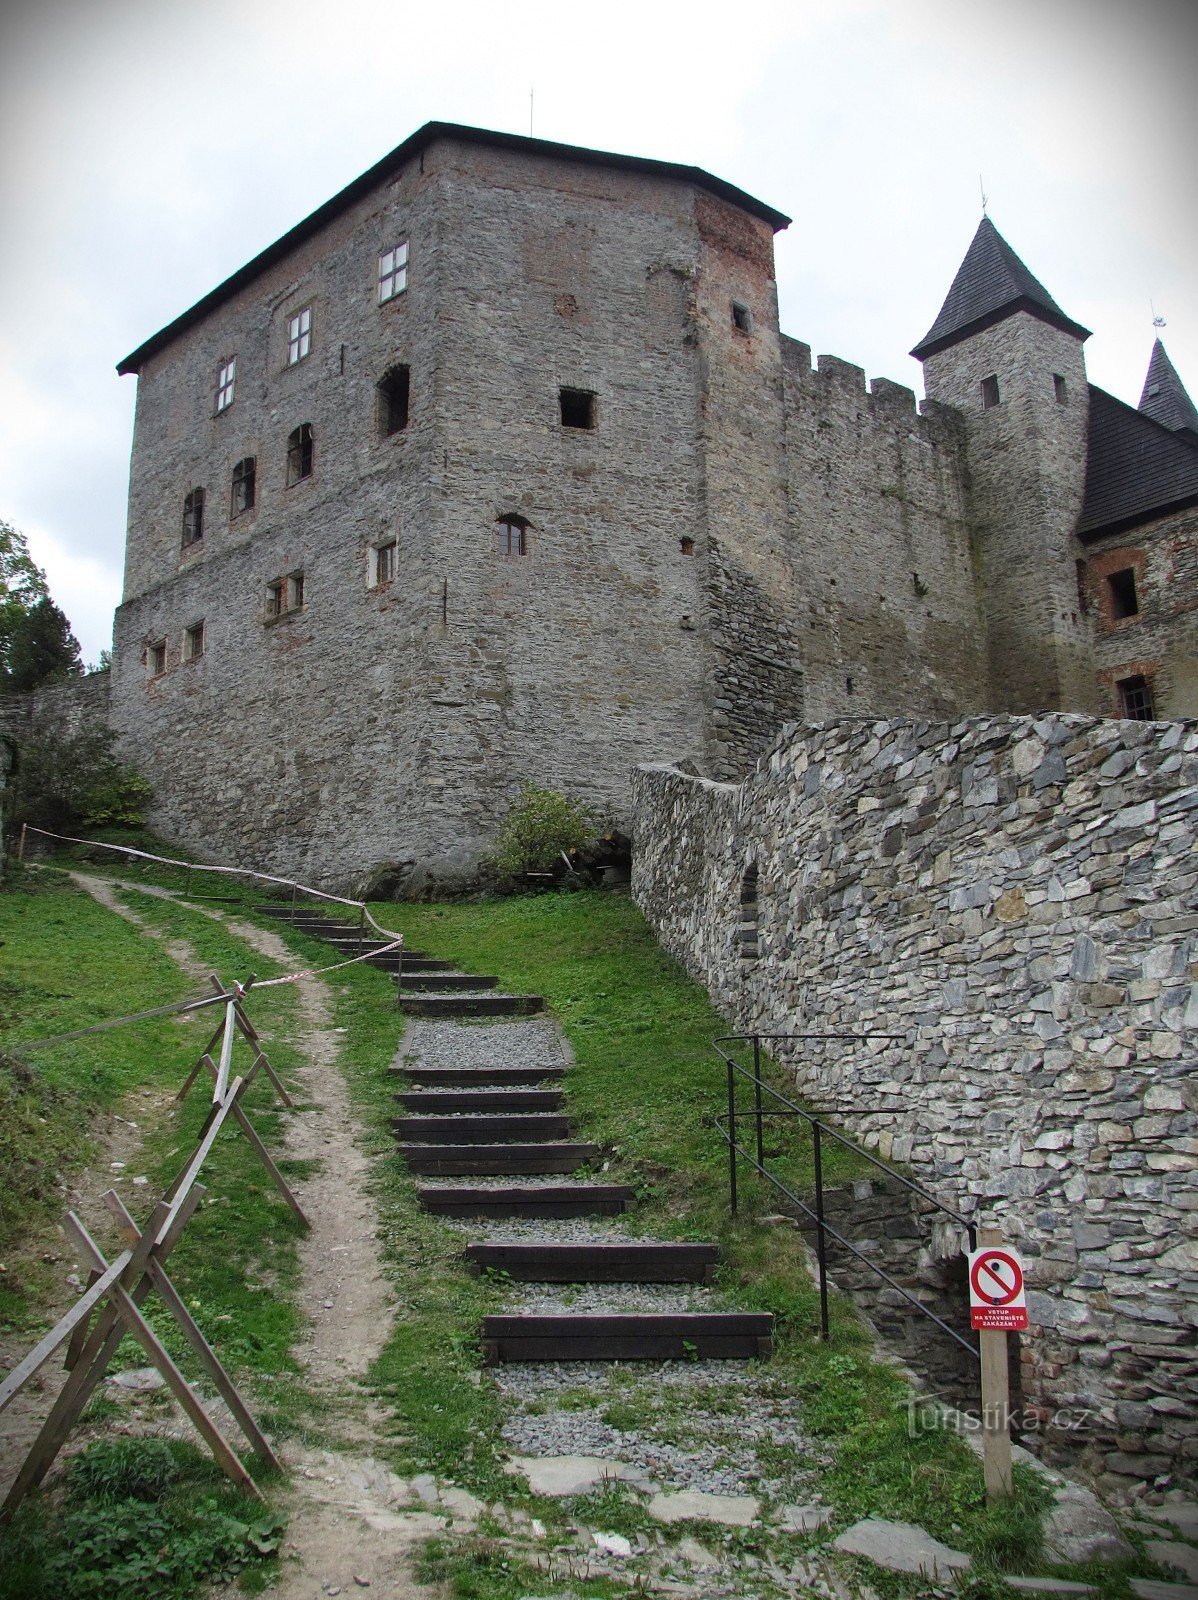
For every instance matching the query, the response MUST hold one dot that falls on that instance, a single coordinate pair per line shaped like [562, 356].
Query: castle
[498, 467]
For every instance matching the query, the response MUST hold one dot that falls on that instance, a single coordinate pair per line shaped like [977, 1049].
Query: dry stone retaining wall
[1016, 897]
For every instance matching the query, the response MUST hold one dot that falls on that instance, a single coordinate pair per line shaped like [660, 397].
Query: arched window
[747, 932]
[193, 517]
[299, 453]
[393, 392]
[511, 536]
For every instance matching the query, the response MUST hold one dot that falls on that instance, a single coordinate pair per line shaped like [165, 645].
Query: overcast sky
[149, 147]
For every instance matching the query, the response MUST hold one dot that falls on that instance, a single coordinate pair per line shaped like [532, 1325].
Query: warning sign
[997, 1294]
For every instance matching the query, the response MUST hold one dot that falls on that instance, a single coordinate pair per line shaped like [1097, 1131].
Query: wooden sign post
[997, 1306]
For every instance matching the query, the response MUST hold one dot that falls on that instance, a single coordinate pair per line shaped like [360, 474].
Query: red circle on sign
[985, 1278]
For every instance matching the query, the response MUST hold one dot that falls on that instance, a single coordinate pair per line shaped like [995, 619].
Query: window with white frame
[382, 563]
[393, 272]
[226, 380]
[299, 335]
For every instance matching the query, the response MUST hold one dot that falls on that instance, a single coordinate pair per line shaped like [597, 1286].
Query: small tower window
[687, 546]
[393, 272]
[226, 380]
[382, 564]
[299, 453]
[393, 392]
[990, 394]
[1060, 389]
[193, 642]
[1121, 591]
[742, 317]
[193, 517]
[156, 658]
[577, 408]
[1136, 700]
[245, 475]
[511, 536]
[299, 336]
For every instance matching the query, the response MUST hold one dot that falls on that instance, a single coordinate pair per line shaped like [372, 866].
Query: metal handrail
[726, 1125]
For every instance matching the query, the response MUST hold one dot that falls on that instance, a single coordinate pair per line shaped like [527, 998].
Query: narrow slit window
[245, 476]
[748, 931]
[1121, 588]
[394, 394]
[225, 382]
[299, 453]
[990, 394]
[393, 272]
[383, 562]
[1060, 389]
[193, 517]
[1136, 700]
[687, 546]
[299, 336]
[577, 408]
[193, 642]
[511, 536]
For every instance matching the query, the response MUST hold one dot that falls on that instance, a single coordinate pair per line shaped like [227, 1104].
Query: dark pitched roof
[1164, 398]
[991, 284]
[1136, 469]
[397, 159]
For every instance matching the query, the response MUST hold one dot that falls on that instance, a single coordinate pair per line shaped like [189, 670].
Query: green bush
[67, 781]
[541, 828]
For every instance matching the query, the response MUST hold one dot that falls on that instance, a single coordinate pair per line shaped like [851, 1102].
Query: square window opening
[300, 446]
[245, 482]
[193, 642]
[394, 393]
[299, 336]
[687, 546]
[1121, 587]
[225, 383]
[393, 272]
[1136, 700]
[577, 408]
[990, 394]
[742, 317]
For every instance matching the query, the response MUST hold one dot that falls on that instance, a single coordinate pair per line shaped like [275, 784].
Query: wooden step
[436, 1102]
[619, 1261]
[445, 982]
[534, 1200]
[495, 1160]
[470, 1077]
[682, 1336]
[484, 1129]
[470, 1005]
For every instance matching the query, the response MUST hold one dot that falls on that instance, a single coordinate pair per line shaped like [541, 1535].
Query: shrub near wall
[1017, 898]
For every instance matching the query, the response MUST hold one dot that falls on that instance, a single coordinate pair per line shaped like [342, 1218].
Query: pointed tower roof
[1164, 398]
[991, 284]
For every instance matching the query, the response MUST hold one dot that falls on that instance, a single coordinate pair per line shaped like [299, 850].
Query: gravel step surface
[524, 1041]
[606, 1299]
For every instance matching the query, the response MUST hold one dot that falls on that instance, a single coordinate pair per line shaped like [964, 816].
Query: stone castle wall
[1018, 898]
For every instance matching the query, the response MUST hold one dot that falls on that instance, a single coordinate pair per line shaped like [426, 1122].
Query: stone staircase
[503, 1124]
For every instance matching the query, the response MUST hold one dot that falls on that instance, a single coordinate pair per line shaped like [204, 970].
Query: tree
[541, 828]
[36, 642]
[75, 781]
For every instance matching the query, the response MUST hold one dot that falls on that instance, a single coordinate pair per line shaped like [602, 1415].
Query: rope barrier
[228, 872]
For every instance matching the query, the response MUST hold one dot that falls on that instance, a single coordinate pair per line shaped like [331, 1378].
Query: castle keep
[498, 467]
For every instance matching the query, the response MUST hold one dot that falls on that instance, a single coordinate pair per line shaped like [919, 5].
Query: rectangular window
[1060, 389]
[193, 517]
[393, 272]
[511, 536]
[156, 659]
[299, 335]
[245, 476]
[1121, 592]
[393, 393]
[300, 445]
[1136, 699]
[193, 642]
[284, 595]
[383, 563]
[742, 318]
[577, 408]
[990, 394]
[225, 380]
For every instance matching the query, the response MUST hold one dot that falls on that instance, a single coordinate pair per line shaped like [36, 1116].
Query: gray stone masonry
[1018, 899]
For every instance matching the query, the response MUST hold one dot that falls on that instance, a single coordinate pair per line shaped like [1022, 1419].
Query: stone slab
[1061, 1586]
[1080, 1528]
[732, 1510]
[1171, 1554]
[565, 1475]
[901, 1547]
[803, 1519]
[1155, 1589]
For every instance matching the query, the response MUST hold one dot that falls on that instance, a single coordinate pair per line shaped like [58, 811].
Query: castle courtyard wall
[1018, 899]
